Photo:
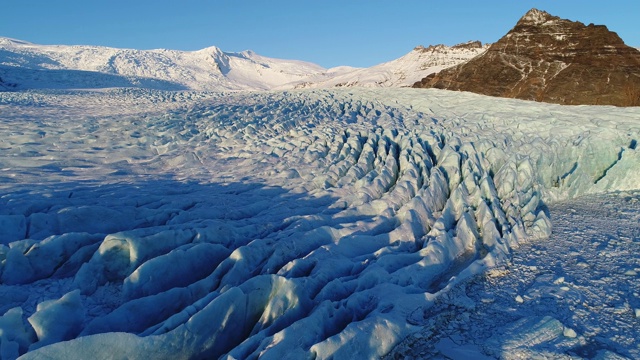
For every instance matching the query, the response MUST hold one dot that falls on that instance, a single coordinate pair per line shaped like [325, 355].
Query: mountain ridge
[403, 71]
[25, 65]
[546, 58]
[206, 69]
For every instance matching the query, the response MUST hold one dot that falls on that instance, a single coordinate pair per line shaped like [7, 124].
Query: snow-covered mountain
[24, 65]
[27, 65]
[402, 72]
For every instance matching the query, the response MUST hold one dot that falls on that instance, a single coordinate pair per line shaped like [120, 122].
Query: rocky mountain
[401, 72]
[546, 58]
[25, 65]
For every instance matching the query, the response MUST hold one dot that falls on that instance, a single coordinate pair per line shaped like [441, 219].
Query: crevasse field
[316, 224]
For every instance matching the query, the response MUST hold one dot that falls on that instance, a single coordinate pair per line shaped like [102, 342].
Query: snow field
[303, 224]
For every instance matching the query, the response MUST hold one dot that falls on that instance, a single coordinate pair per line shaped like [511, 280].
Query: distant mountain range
[29, 65]
[24, 65]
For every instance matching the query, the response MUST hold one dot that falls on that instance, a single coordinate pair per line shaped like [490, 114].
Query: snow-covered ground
[314, 224]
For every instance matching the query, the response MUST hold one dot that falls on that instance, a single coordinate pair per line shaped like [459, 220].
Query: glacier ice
[57, 320]
[293, 224]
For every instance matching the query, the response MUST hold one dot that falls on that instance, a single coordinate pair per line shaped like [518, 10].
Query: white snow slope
[278, 225]
[33, 66]
[401, 72]
[25, 65]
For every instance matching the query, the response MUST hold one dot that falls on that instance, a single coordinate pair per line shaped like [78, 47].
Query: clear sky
[326, 32]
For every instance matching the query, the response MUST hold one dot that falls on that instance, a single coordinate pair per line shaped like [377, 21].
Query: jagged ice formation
[301, 224]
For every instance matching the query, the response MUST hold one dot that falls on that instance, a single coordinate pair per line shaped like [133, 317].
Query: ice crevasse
[342, 217]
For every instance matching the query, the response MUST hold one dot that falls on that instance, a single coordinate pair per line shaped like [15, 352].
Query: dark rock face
[441, 47]
[468, 45]
[545, 58]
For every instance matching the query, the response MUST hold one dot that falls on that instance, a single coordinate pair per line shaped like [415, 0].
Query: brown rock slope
[545, 58]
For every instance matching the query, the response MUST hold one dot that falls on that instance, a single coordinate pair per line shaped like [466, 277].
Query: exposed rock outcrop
[443, 48]
[468, 45]
[546, 58]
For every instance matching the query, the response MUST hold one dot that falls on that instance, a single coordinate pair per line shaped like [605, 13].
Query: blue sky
[328, 32]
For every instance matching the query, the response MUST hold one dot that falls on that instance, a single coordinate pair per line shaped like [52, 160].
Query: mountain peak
[546, 58]
[10, 41]
[30, 66]
[536, 17]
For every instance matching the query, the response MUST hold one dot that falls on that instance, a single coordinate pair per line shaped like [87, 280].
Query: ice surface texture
[574, 295]
[305, 224]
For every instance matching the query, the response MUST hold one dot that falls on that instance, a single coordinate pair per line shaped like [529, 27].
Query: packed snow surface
[300, 224]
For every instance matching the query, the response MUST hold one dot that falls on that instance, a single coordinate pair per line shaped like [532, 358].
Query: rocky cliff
[546, 58]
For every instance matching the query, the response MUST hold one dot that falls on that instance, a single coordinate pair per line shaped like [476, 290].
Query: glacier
[300, 224]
